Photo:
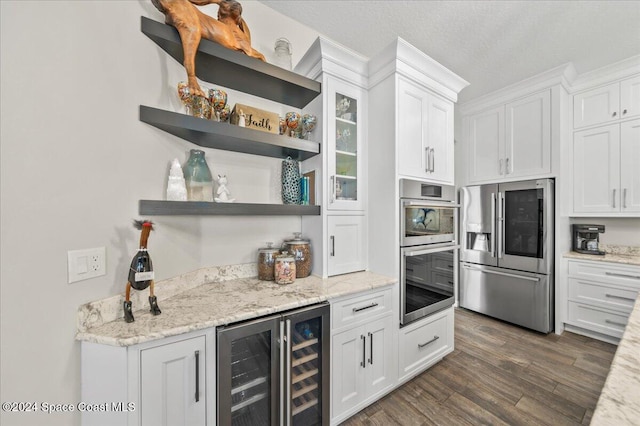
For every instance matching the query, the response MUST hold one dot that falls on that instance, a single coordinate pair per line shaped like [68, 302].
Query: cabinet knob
[624, 111]
[614, 114]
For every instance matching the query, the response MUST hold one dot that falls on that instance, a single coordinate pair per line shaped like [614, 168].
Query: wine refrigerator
[275, 370]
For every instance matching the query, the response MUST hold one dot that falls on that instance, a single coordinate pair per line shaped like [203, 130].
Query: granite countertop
[619, 402]
[214, 303]
[614, 254]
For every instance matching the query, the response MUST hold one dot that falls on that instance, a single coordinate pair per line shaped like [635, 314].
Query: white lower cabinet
[172, 384]
[424, 342]
[601, 297]
[363, 361]
[163, 382]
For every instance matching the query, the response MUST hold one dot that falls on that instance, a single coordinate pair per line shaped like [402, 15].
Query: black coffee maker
[586, 238]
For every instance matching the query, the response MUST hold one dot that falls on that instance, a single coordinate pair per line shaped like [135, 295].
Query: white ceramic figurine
[223, 192]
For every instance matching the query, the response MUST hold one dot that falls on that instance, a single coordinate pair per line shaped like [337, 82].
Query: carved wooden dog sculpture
[229, 30]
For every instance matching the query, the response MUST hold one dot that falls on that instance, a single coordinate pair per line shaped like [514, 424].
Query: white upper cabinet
[596, 161]
[630, 166]
[528, 136]
[486, 145]
[344, 145]
[607, 104]
[606, 172]
[425, 134]
[630, 97]
[511, 140]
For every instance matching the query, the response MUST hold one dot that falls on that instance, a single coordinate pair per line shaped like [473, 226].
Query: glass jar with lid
[285, 268]
[300, 248]
[266, 261]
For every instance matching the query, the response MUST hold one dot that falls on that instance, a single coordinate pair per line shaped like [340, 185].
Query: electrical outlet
[85, 264]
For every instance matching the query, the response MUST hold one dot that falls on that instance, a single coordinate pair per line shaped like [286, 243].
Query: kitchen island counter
[619, 402]
[216, 303]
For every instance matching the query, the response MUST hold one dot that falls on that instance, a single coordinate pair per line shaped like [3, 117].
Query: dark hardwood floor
[500, 374]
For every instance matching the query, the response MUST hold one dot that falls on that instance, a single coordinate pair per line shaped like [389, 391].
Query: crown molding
[607, 74]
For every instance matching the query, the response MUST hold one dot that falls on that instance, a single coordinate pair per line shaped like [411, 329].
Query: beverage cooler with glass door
[275, 370]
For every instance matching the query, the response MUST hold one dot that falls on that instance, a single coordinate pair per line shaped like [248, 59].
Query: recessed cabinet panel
[412, 117]
[486, 145]
[596, 159]
[630, 97]
[440, 139]
[528, 149]
[346, 244]
[630, 166]
[173, 384]
[347, 382]
[596, 106]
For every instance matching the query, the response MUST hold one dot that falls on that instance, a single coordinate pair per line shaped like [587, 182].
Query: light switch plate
[85, 264]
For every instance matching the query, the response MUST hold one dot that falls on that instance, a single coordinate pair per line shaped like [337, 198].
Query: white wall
[75, 160]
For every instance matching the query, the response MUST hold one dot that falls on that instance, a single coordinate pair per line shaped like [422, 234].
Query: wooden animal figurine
[141, 272]
[229, 30]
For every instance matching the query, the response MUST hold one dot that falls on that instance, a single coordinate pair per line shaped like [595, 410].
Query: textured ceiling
[491, 44]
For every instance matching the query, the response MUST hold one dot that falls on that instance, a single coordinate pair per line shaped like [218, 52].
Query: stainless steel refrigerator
[506, 255]
[275, 370]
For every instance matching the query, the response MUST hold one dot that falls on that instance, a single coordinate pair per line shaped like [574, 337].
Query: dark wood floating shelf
[179, 208]
[225, 136]
[219, 65]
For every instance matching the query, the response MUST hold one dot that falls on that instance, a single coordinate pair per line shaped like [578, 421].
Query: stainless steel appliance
[427, 280]
[586, 239]
[275, 370]
[427, 219]
[428, 249]
[506, 255]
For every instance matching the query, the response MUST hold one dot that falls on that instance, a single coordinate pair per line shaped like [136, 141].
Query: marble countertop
[627, 259]
[619, 402]
[217, 303]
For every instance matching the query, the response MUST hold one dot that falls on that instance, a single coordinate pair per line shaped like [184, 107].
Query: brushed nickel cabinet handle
[506, 172]
[615, 323]
[333, 245]
[614, 199]
[420, 346]
[428, 159]
[624, 198]
[433, 160]
[373, 305]
[615, 274]
[615, 296]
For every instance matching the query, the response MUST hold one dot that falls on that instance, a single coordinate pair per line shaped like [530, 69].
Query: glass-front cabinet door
[345, 139]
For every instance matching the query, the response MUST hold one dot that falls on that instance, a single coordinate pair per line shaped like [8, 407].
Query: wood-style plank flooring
[500, 374]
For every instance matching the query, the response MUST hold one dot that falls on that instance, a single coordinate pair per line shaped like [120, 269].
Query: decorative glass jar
[266, 262]
[301, 251]
[198, 177]
[285, 269]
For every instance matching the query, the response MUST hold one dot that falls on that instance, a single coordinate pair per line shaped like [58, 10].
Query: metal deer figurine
[141, 272]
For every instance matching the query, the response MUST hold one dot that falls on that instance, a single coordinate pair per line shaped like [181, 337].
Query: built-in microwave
[428, 214]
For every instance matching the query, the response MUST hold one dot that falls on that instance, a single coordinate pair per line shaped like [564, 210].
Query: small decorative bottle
[198, 177]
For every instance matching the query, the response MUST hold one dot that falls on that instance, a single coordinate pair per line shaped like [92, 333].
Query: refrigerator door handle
[283, 337]
[506, 274]
[288, 367]
[493, 225]
[500, 225]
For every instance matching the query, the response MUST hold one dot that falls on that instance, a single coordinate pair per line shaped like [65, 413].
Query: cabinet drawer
[606, 273]
[597, 319]
[359, 309]
[426, 341]
[620, 299]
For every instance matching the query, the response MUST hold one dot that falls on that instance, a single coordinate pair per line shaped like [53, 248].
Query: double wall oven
[428, 249]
